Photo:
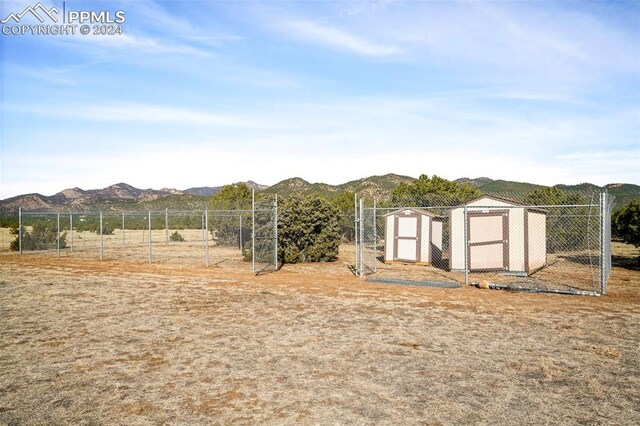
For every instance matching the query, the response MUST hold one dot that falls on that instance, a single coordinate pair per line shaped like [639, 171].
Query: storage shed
[413, 235]
[503, 235]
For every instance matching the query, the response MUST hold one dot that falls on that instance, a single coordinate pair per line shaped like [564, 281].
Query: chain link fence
[498, 241]
[221, 238]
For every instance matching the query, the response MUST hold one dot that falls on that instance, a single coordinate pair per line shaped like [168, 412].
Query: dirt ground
[124, 342]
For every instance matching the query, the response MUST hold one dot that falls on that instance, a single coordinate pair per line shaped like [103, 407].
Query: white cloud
[337, 39]
[138, 112]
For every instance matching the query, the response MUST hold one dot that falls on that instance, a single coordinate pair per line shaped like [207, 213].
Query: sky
[208, 93]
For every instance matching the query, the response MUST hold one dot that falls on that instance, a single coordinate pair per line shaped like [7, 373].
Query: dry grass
[84, 341]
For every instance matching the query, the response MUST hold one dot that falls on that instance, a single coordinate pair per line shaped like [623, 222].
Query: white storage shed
[414, 236]
[502, 235]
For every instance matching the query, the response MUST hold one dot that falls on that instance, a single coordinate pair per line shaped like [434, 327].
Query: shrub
[176, 237]
[625, 223]
[308, 230]
[43, 236]
[106, 229]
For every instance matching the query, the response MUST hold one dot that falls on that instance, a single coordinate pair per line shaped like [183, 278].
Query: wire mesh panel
[405, 241]
[265, 233]
[228, 237]
[538, 248]
[208, 237]
[183, 238]
[496, 240]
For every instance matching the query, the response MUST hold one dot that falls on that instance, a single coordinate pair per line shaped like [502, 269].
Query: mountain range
[124, 196]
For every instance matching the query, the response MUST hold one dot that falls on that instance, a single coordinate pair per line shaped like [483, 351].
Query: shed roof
[496, 198]
[505, 200]
[413, 209]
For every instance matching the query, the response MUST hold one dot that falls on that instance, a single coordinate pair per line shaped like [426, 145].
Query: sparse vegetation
[218, 345]
[176, 237]
[42, 236]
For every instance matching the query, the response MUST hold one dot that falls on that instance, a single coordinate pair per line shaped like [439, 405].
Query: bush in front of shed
[308, 230]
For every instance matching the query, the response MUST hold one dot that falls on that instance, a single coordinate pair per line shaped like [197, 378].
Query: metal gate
[264, 237]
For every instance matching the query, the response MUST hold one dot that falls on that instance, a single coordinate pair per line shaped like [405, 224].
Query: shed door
[407, 238]
[488, 235]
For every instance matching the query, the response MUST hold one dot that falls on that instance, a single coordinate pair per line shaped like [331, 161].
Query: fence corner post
[253, 231]
[150, 238]
[20, 229]
[101, 239]
[275, 224]
[58, 236]
[466, 247]
[361, 232]
[206, 232]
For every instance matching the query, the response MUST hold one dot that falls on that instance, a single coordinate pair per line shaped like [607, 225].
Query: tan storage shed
[414, 236]
[502, 235]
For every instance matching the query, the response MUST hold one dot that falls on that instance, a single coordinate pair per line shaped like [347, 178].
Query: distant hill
[122, 196]
[76, 198]
[500, 186]
[203, 190]
[622, 192]
[379, 186]
[213, 190]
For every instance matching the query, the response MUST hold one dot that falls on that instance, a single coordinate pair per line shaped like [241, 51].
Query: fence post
[166, 226]
[123, 231]
[71, 228]
[375, 239]
[101, 241]
[240, 245]
[275, 225]
[466, 247]
[206, 233]
[20, 229]
[602, 242]
[202, 226]
[361, 254]
[150, 236]
[58, 237]
[355, 230]
[253, 231]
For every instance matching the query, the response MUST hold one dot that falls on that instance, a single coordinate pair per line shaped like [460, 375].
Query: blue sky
[208, 93]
